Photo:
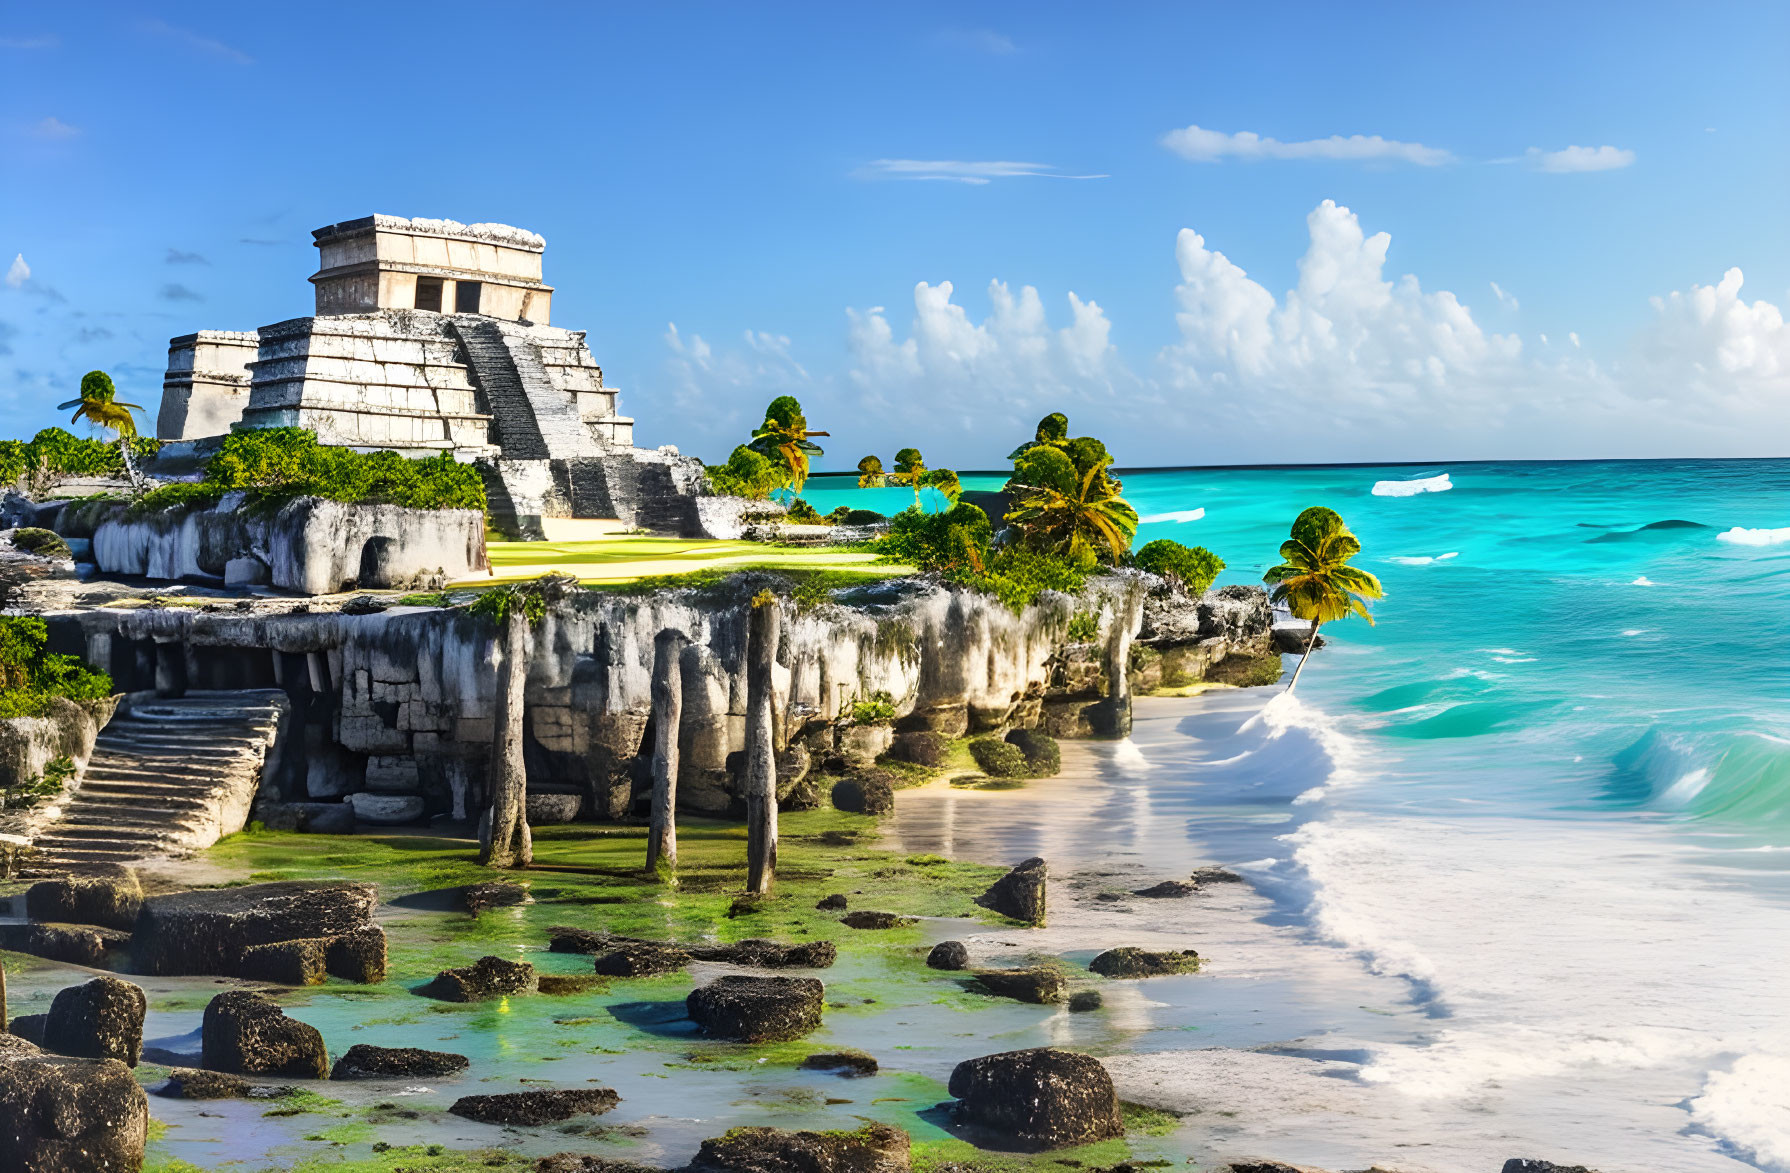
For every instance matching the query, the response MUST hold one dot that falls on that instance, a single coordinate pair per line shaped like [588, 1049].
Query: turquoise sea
[1548, 792]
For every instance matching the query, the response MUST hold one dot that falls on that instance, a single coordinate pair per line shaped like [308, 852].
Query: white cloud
[1212, 146]
[54, 128]
[1353, 363]
[1709, 343]
[1605, 158]
[18, 272]
[1505, 298]
[961, 171]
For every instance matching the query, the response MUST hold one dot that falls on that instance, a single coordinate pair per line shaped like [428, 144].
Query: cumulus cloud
[1711, 343]
[1605, 158]
[177, 257]
[1354, 362]
[54, 129]
[1213, 146]
[18, 272]
[961, 171]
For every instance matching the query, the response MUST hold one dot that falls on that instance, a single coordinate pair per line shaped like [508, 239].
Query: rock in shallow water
[1042, 1098]
[109, 896]
[640, 959]
[871, 919]
[589, 1163]
[757, 1009]
[1083, 1001]
[76, 944]
[248, 1034]
[363, 1061]
[949, 955]
[358, 956]
[488, 977]
[71, 1116]
[874, 1148]
[100, 1019]
[1531, 1165]
[1167, 890]
[1040, 985]
[1129, 962]
[287, 963]
[762, 954]
[1020, 893]
[206, 931]
[193, 1083]
[536, 1107]
[848, 1063]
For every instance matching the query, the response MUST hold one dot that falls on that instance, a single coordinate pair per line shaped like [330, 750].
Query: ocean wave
[1435, 484]
[1747, 1107]
[1181, 516]
[1739, 777]
[1652, 531]
[1422, 559]
[1754, 537]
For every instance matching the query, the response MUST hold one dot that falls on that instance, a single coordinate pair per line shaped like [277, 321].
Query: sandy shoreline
[1263, 1052]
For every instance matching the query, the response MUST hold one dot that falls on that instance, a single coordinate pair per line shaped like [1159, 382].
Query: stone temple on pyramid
[434, 336]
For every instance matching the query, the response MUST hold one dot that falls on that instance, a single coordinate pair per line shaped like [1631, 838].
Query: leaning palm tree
[1314, 578]
[99, 406]
[784, 437]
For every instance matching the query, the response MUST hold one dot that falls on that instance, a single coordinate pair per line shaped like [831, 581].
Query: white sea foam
[1754, 537]
[1435, 484]
[1422, 559]
[1635, 631]
[1748, 1106]
[1182, 515]
[1643, 581]
[1129, 758]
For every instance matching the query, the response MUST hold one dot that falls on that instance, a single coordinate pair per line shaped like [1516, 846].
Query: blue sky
[744, 200]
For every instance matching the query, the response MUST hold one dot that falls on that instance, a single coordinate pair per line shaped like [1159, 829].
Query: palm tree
[784, 437]
[1314, 578]
[910, 469]
[99, 406]
[871, 474]
[1065, 502]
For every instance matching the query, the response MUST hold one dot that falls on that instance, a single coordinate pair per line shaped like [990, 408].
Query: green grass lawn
[628, 558]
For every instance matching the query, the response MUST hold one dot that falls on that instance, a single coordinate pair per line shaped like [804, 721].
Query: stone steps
[170, 776]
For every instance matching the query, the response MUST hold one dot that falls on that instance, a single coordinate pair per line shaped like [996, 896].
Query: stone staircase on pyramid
[166, 778]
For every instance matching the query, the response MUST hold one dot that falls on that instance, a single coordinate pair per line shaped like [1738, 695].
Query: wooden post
[762, 624]
[507, 843]
[668, 711]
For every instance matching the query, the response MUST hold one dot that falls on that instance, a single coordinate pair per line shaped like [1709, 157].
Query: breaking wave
[1180, 516]
[1742, 777]
[1435, 484]
[1754, 537]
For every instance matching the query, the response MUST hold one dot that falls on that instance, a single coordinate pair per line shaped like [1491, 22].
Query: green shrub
[879, 709]
[55, 453]
[747, 474]
[1193, 566]
[273, 466]
[922, 747]
[846, 515]
[1044, 757]
[802, 513]
[42, 542]
[998, 759]
[179, 497]
[1084, 626]
[29, 676]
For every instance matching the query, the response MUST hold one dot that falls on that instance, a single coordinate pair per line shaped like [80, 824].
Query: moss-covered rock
[999, 759]
[1129, 962]
[757, 1009]
[1044, 757]
[874, 1148]
[547, 1106]
[1042, 1098]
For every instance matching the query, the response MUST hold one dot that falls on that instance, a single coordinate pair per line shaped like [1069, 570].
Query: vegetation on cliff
[273, 466]
[30, 676]
[55, 453]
